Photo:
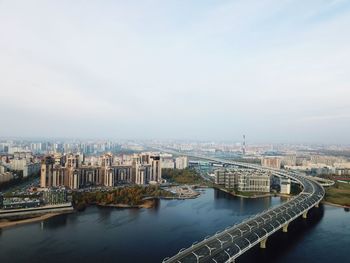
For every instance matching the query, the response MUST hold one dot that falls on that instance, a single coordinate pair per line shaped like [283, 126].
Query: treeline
[185, 176]
[132, 195]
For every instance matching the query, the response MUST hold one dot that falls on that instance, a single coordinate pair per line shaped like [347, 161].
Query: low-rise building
[220, 176]
[18, 203]
[244, 180]
[253, 183]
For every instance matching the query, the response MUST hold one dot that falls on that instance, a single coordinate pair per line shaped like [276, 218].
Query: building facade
[271, 162]
[181, 162]
[70, 171]
[244, 180]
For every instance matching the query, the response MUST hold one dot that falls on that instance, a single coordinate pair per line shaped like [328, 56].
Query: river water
[149, 235]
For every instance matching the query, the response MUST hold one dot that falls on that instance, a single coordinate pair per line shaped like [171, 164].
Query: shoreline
[8, 224]
[334, 204]
[254, 196]
[147, 204]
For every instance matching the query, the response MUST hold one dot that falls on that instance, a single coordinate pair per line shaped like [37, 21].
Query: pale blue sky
[278, 71]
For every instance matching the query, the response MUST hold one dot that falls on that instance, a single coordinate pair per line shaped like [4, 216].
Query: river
[149, 235]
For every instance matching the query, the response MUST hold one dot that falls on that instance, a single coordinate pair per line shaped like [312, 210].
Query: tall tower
[243, 148]
[46, 171]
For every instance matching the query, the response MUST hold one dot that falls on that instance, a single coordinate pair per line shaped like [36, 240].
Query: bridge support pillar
[285, 228]
[263, 243]
[305, 214]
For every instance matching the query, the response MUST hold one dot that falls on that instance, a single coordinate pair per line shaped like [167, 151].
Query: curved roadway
[229, 244]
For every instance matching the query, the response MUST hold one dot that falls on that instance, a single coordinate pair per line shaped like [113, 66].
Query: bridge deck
[234, 241]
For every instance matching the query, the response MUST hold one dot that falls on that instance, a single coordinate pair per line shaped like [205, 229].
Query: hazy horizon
[277, 71]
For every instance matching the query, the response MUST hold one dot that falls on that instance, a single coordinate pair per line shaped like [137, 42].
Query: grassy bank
[338, 194]
[185, 176]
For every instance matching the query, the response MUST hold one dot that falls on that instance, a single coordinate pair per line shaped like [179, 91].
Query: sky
[276, 71]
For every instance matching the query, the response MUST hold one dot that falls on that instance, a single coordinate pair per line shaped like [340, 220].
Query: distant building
[18, 164]
[181, 162]
[342, 171]
[271, 162]
[290, 160]
[31, 169]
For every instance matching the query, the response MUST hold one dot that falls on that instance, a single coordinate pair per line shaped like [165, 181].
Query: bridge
[229, 244]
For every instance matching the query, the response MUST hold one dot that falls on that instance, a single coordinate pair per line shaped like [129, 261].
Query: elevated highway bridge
[227, 245]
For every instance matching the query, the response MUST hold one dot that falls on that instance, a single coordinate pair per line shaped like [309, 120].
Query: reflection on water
[55, 222]
[149, 235]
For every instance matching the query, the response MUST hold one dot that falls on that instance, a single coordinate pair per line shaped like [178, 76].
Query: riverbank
[146, 204]
[336, 205]
[338, 194]
[7, 224]
[251, 195]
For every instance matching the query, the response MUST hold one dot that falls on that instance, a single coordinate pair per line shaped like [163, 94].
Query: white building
[253, 182]
[18, 164]
[181, 162]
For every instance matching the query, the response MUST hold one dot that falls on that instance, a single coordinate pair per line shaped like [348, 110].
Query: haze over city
[174, 131]
[276, 70]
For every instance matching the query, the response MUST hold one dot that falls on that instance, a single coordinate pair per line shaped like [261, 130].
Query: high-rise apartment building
[70, 171]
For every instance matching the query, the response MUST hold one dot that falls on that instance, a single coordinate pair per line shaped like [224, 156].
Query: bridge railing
[302, 180]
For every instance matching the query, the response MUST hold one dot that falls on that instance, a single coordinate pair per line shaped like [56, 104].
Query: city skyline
[276, 71]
